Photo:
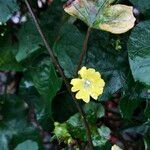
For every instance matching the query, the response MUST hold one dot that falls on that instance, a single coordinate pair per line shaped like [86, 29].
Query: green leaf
[66, 106]
[147, 143]
[143, 6]
[8, 61]
[139, 52]
[142, 129]
[104, 132]
[27, 145]
[14, 126]
[127, 107]
[41, 106]
[112, 64]
[68, 48]
[93, 111]
[4, 142]
[51, 20]
[147, 109]
[7, 8]
[76, 127]
[46, 81]
[101, 55]
[102, 137]
[61, 132]
[45, 78]
[102, 15]
[75, 123]
[29, 40]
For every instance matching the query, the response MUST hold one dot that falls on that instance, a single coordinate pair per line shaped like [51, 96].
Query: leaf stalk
[84, 50]
[57, 65]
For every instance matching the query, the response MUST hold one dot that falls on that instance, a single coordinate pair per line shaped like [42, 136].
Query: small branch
[32, 119]
[44, 134]
[84, 50]
[57, 65]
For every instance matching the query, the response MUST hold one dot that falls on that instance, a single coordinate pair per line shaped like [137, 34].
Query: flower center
[87, 83]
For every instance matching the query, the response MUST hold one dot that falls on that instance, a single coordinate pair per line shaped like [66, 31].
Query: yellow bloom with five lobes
[88, 84]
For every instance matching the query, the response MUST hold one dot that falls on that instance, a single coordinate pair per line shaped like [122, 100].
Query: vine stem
[84, 50]
[57, 65]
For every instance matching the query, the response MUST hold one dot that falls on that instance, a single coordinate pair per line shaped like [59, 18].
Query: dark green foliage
[122, 60]
[27, 145]
[29, 40]
[142, 6]
[14, 125]
[68, 48]
[8, 61]
[139, 52]
[7, 8]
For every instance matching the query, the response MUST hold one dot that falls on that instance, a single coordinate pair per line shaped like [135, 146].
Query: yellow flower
[88, 84]
[115, 147]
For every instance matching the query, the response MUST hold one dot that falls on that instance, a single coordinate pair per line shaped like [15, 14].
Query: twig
[84, 49]
[57, 65]
[44, 134]
[33, 120]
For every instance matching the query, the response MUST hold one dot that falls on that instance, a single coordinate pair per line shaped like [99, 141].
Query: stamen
[87, 83]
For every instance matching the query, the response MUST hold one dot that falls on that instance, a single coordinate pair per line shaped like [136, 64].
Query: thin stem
[57, 65]
[84, 50]
[44, 134]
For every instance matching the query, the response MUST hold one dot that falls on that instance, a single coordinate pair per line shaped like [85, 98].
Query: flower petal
[95, 92]
[83, 95]
[82, 71]
[77, 84]
[94, 96]
[88, 73]
[99, 83]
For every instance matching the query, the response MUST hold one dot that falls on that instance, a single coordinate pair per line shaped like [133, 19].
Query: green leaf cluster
[123, 61]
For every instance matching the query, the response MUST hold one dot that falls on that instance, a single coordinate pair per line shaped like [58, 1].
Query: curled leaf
[102, 15]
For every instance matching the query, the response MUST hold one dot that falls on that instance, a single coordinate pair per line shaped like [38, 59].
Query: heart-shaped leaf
[101, 15]
[28, 144]
[139, 52]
